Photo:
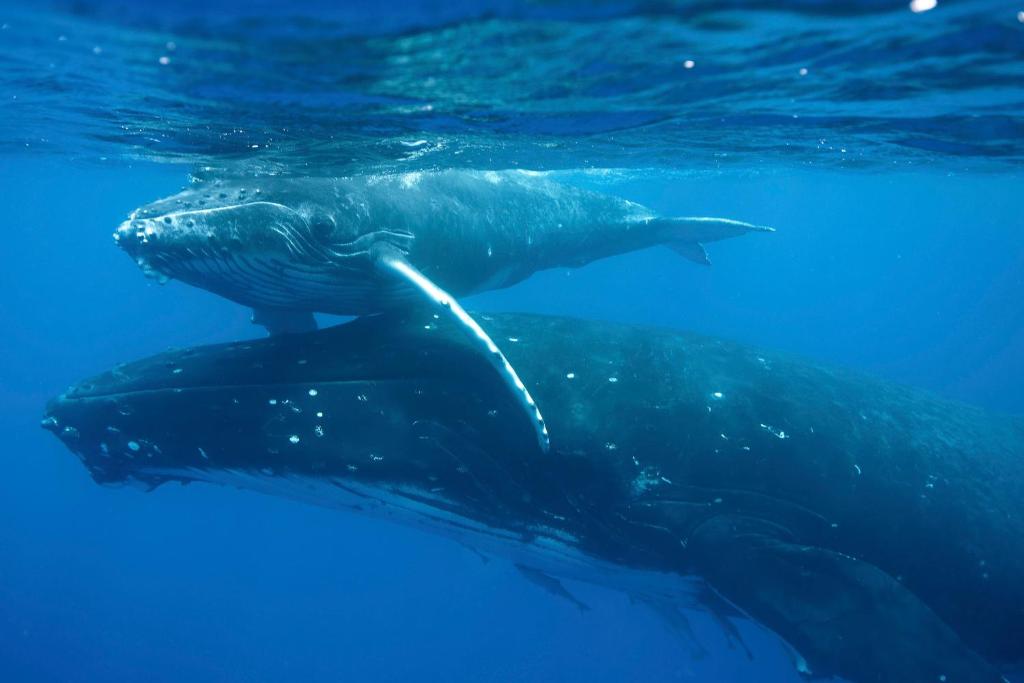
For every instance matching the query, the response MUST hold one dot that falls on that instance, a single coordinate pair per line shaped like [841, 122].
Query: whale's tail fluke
[687, 235]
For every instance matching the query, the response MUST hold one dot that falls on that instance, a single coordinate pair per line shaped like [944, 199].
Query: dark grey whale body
[875, 528]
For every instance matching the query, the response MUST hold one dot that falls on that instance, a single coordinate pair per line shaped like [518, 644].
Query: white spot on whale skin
[613, 380]
[272, 401]
[294, 438]
[856, 468]
[570, 375]
[716, 395]
[778, 433]
[203, 453]
[133, 445]
[313, 392]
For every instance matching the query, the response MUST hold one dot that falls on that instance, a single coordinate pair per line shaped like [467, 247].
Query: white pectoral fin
[407, 272]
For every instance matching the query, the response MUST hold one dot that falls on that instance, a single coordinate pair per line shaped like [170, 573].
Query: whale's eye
[321, 226]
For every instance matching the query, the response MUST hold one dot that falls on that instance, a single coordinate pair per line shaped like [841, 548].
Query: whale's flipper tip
[691, 251]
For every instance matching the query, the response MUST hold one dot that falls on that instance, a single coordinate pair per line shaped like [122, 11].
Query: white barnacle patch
[318, 430]
[294, 438]
[320, 413]
[777, 433]
[611, 445]
[313, 392]
[647, 479]
[613, 379]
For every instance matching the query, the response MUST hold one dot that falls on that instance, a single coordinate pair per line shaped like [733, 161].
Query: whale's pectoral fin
[284, 321]
[551, 585]
[396, 265]
[678, 623]
[687, 235]
[691, 251]
[846, 616]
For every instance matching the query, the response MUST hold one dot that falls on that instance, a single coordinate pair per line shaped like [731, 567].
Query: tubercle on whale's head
[165, 243]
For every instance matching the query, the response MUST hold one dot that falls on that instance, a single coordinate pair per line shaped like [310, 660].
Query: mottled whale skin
[875, 528]
[307, 244]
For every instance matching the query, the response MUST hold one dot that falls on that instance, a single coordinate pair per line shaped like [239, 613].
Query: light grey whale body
[354, 246]
[877, 529]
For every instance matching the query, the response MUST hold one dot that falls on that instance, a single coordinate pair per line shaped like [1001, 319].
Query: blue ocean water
[883, 144]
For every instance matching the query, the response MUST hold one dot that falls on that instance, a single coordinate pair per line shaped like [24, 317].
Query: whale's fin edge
[398, 266]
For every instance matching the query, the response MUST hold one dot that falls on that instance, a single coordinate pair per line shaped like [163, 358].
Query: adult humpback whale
[364, 244]
[875, 528]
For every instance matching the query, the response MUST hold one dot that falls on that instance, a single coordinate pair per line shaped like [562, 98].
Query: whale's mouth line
[114, 394]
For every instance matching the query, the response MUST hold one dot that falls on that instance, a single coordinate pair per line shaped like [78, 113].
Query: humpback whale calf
[360, 245]
[875, 528]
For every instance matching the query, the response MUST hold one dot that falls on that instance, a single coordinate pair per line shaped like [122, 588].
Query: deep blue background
[915, 277]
